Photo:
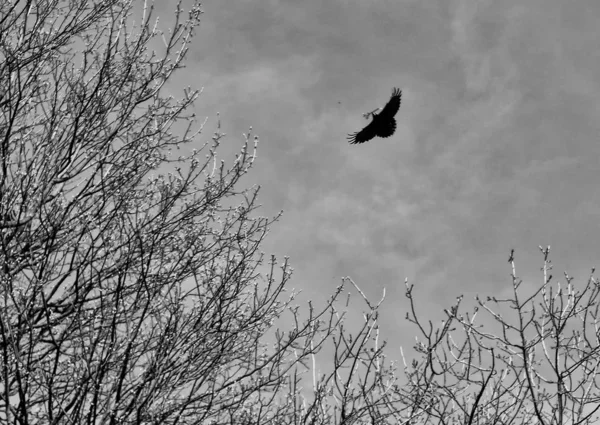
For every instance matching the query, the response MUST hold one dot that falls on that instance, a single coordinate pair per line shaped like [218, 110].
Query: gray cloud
[496, 146]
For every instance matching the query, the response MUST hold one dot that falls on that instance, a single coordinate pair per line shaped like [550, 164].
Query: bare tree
[132, 288]
[532, 357]
[132, 285]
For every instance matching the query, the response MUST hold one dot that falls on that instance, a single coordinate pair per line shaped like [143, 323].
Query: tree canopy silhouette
[383, 124]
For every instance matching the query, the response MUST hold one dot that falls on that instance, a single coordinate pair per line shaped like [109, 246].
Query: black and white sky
[497, 145]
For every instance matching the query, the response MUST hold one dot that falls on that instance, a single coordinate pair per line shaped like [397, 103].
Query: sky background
[496, 147]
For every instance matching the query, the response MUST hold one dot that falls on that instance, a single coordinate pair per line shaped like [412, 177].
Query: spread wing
[365, 134]
[391, 108]
[383, 124]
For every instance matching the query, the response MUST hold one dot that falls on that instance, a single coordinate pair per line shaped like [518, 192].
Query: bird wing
[363, 135]
[391, 108]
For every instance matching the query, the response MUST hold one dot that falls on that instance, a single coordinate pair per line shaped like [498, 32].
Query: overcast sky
[497, 145]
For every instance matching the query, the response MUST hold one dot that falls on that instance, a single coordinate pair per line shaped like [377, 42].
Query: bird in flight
[383, 124]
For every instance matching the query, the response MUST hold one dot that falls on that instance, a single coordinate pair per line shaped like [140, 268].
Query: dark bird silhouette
[383, 124]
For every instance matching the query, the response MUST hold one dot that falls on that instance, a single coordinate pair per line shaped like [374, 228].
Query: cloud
[496, 145]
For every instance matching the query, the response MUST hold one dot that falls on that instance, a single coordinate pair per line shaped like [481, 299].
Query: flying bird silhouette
[383, 124]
